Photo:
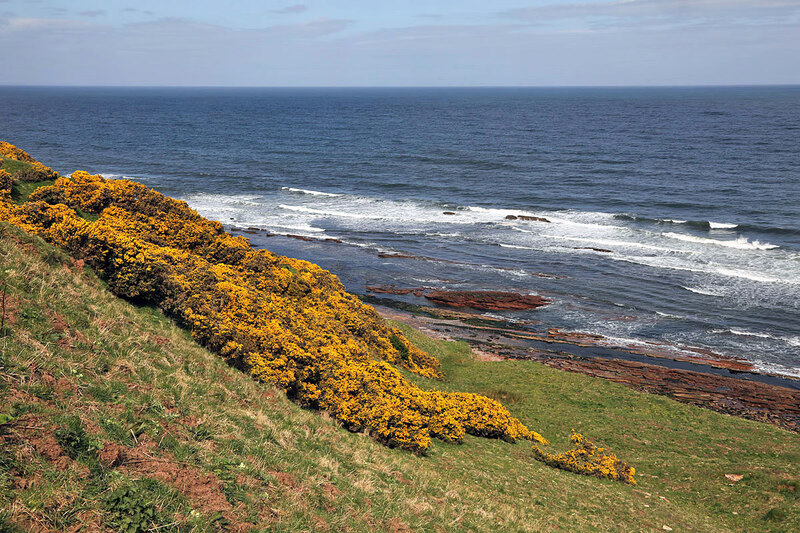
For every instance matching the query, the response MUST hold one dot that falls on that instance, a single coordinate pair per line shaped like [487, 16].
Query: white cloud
[663, 12]
[501, 51]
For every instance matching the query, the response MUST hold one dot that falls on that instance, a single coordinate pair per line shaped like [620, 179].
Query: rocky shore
[706, 380]
[481, 300]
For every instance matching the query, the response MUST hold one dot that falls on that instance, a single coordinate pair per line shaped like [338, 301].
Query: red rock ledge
[487, 300]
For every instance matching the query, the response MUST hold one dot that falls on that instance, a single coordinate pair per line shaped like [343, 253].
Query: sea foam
[741, 243]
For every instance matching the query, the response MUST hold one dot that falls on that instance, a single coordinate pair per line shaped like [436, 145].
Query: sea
[650, 216]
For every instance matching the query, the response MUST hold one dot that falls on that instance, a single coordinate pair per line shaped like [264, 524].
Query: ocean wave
[721, 225]
[704, 292]
[612, 242]
[293, 230]
[775, 369]
[327, 213]
[109, 176]
[741, 243]
[753, 276]
[791, 341]
[516, 246]
[667, 262]
[708, 225]
[670, 315]
[637, 218]
[310, 192]
[499, 213]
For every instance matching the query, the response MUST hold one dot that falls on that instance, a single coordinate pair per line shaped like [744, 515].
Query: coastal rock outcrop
[526, 218]
[487, 300]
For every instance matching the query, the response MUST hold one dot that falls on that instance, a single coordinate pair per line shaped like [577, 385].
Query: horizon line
[607, 86]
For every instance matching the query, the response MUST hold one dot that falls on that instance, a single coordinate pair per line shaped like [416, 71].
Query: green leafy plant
[130, 509]
[73, 439]
[202, 432]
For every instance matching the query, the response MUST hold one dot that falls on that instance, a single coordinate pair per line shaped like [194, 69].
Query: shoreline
[744, 393]
[409, 291]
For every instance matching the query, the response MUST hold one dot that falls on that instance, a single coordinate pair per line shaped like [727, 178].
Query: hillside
[112, 417]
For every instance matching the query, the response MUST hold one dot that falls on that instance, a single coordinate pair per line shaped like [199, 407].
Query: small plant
[5, 421]
[101, 393]
[2, 307]
[73, 439]
[400, 346]
[6, 526]
[202, 432]
[130, 509]
[589, 460]
[774, 515]
[54, 257]
[219, 522]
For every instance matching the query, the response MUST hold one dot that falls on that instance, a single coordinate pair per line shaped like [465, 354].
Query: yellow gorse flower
[41, 171]
[588, 459]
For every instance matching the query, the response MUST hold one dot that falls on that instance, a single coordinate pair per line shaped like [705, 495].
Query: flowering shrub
[36, 171]
[6, 182]
[588, 459]
[284, 321]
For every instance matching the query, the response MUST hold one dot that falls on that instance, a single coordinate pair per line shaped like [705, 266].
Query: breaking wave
[741, 243]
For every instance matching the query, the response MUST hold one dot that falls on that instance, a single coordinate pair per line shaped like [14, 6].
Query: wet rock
[601, 250]
[391, 289]
[487, 300]
[301, 238]
[533, 219]
[398, 256]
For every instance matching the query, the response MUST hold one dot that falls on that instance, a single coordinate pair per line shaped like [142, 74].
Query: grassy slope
[140, 385]
[22, 189]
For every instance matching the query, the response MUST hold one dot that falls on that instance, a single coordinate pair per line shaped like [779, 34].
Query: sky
[400, 43]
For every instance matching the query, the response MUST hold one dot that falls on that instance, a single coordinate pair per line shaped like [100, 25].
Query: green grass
[88, 373]
[13, 166]
[27, 178]
[23, 187]
[21, 190]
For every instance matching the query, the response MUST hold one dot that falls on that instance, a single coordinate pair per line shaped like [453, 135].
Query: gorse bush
[588, 459]
[28, 169]
[284, 321]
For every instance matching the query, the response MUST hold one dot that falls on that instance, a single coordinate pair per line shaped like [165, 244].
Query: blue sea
[673, 213]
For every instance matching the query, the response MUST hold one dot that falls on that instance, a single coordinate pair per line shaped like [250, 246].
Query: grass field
[111, 417]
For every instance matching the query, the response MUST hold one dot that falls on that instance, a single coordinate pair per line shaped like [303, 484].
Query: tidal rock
[487, 300]
[601, 250]
[391, 289]
[533, 219]
[301, 238]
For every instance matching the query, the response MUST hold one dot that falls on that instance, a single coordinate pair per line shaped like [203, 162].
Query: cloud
[95, 13]
[296, 8]
[660, 13]
[53, 26]
[519, 50]
[134, 10]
